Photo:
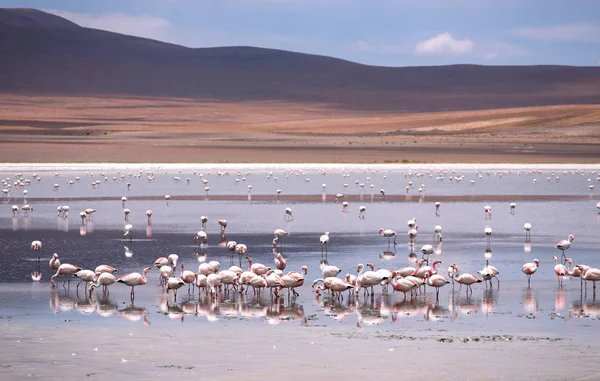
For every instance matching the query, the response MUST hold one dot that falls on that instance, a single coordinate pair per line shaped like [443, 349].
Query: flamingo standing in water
[223, 224]
[574, 271]
[437, 208]
[280, 262]
[564, 245]
[279, 234]
[436, 281]
[488, 272]
[527, 229]
[560, 270]
[288, 216]
[201, 238]
[188, 276]
[88, 212]
[388, 233]
[467, 280]
[54, 262]
[324, 240]
[512, 207]
[149, 215]
[64, 269]
[487, 210]
[529, 269]
[589, 275]
[362, 210]
[36, 246]
[204, 220]
[134, 279]
[104, 280]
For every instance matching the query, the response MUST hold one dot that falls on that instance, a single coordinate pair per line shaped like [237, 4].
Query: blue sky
[377, 32]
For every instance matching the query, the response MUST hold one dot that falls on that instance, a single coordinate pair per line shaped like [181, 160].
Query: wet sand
[237, 353]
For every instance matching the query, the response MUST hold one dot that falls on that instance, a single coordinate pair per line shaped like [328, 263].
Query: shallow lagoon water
[543, 310]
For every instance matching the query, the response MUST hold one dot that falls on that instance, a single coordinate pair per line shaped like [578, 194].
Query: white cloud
[565, 32]
[444, 44]
[135, 25]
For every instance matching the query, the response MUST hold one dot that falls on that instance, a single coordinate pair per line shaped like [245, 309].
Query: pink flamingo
[436, 281]
[591, 275]
[257, 268]
[564, 245]
[280, 262]
[134, 279]
[467, 280]
[54, 262]
[529, 269]
[105, 269]
[560, 270]
[294, 279]
[187, 276]
[575, 271]
[64, 269]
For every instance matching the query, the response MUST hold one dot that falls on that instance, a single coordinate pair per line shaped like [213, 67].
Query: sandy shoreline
[298, 352]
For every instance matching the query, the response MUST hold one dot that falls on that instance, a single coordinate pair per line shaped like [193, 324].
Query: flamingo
[437, 208]
[201, 238]
[128, 232]
[388, 233]
[204, 220]
[329, 270]
[368, 278]
[126, 212]
[488, 234]
[512, 207]
[104, 280]
[223, 224]
[333, 284]
[324, 240]
[529, 269]
[453, 272]
[412, 234]
[274, 282]
[574, 271]
[105, 269]
[27, 208]
[15, 210]
[403, 285]
[174, 283]
[436, 281]
[426, 250]
[54, 262]
[85, 276]
[488, 272]
[257, 268]
[487, 210]
[294, 279]
[165, 273]
[590, 275]
[161, 261]
[527, 229]
[421, 271]
[149, 215]
[64, 269]
[279, 234]
[362, 210]
[437, 233]
[280, 262]
[564, 245]
[288, 216]
[188, 276]
[412, 223]
[467, 280]
[134, 279]
[228, 277]
[88, 212]
[172, 260]
[560, 270]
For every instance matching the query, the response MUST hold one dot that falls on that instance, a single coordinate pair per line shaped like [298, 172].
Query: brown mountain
[43, 54]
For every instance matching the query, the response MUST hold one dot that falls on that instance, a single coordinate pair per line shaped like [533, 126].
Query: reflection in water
[134, 314]
[36, 273]
[490, 300]
[530, 303]
[62, 224]
[128, 251]
[560, 300]
[586, 309]
[149, 230]
[527, 247]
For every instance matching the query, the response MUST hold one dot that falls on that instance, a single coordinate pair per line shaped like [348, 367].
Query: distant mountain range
[43, 54]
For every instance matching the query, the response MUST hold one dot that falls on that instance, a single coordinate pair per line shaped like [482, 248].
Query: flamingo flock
[213, 282]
